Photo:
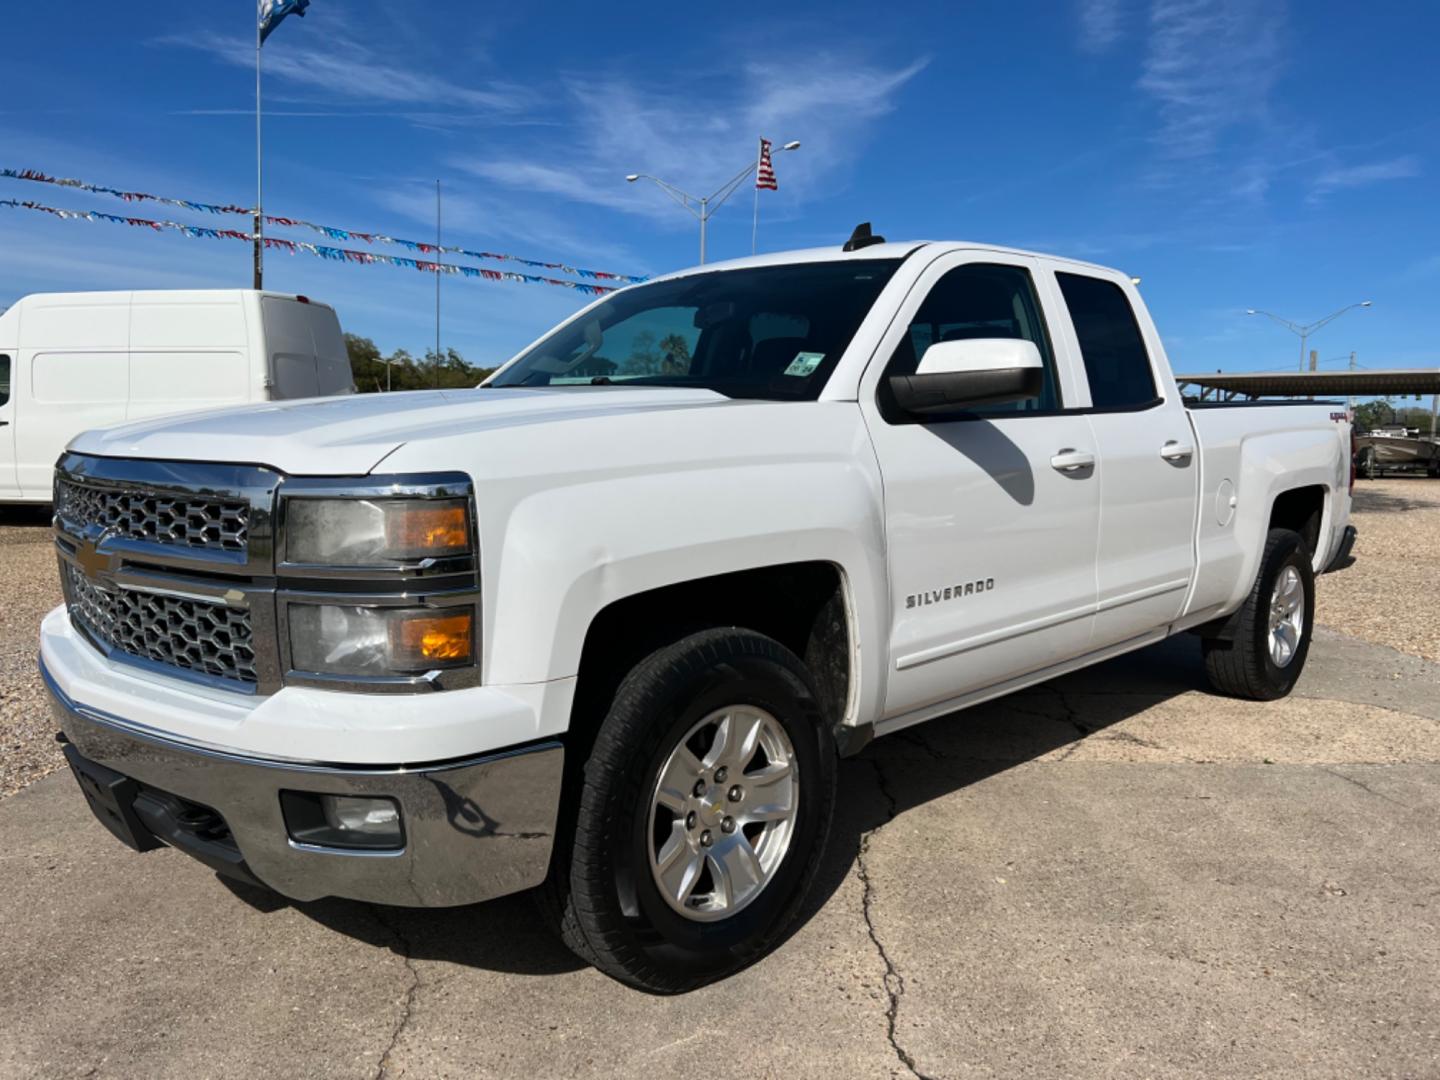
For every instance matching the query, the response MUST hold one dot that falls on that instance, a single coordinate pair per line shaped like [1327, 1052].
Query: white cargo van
[74, 361]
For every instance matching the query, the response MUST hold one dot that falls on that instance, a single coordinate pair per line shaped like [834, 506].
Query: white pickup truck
[605, 623]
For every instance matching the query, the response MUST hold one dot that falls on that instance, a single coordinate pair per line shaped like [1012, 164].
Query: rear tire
[1272, 629]
[665, 720]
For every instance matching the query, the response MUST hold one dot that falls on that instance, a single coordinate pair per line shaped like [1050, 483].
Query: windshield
[767, 332]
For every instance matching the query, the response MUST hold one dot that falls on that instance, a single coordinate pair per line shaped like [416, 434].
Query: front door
[991, 519]
[9, 488]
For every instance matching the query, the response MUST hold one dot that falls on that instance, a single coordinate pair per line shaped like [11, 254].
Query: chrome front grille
[195, 521]
[177, 567]
[209, 639]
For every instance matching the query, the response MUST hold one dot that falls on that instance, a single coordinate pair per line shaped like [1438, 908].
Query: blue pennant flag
[273, 12]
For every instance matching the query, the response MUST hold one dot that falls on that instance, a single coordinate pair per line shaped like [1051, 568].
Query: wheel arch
[807, 606]
[1301, 510]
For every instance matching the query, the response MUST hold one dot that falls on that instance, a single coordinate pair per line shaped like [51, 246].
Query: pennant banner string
[334, 254]
[328, 230]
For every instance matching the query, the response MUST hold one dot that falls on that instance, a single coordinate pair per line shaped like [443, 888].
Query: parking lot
[1115, 874]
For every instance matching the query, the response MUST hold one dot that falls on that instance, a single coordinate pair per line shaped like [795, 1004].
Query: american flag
[765, 171]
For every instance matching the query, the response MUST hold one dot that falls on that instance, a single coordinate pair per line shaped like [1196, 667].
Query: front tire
[705, 806]
[1265, 657]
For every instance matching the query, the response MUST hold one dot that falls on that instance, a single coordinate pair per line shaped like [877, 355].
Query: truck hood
[352, 435]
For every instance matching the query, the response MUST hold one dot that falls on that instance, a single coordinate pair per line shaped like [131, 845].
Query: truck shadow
[891, 776]
[25, 515]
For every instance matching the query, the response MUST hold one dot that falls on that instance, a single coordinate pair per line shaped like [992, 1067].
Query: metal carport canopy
[1319, 383]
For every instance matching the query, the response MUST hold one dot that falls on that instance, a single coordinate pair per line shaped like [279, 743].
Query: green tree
[644, 358]
[676, 358]
[405, 372]
[1371, 414]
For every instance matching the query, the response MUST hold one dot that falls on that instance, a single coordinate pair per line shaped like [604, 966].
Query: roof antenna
[862, 237]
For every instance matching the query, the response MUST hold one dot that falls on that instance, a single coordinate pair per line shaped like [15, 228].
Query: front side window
[979, 300]
[772, 332]
[1116, 361]
[4, 379]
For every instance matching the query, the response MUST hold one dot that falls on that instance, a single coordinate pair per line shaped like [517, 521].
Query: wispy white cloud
[1100, 24]
[352, 71]
[1342, 177]
[698, 142]
[1211, 66]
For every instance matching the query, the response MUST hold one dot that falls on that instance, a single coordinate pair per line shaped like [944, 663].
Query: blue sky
[1233, 154]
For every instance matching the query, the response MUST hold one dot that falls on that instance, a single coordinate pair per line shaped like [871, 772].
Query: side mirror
[957, 375]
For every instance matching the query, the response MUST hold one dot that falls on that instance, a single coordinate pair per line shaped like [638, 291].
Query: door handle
[1071, 460]
[1174, 451]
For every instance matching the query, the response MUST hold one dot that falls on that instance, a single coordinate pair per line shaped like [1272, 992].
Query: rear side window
[4, 379]
[1116, 362]
[978, 300]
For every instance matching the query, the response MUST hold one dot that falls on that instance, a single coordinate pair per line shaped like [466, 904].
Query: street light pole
[1303, 331]
[704, 207]
[704, 218]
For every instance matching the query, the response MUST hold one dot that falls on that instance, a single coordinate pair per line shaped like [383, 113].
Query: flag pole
[755, 224]
[437, 283]
[259, 200]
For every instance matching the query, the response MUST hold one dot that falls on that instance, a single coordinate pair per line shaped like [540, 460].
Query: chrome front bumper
[474, 829]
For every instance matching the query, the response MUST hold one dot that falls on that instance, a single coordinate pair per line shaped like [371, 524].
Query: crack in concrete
[916, 740]
[894, 982]
[1362, 786]
[1126, 737]
[408, 1007]
[1072, 716]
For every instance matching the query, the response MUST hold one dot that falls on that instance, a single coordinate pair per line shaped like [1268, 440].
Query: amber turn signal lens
[428, 640]
[441, 529]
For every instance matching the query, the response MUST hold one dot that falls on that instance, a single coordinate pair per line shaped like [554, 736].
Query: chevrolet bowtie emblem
[92, 560]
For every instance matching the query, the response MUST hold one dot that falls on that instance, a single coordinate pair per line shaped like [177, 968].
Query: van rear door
[305, 348]
[332, 361]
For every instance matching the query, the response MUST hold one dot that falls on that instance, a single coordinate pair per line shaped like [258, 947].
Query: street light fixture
[1305, 330]
[704, 207]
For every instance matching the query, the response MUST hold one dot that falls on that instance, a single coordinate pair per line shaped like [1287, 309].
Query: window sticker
[804, 363]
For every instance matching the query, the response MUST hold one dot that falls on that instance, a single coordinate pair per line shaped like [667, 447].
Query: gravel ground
[1390, 595]
[27, 732]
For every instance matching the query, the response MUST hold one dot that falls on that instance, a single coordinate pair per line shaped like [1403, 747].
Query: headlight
[374, 532]
[335, 639]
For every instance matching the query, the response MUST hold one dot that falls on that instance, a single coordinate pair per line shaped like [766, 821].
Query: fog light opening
[347, 822]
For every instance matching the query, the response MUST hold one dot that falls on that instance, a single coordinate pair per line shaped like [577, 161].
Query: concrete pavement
[1116, 874]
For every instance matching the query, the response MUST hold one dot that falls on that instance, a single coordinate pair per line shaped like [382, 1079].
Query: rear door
[1148, 466]
[332, 361]
[991, 535]
[289, 347]
[305, 348]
